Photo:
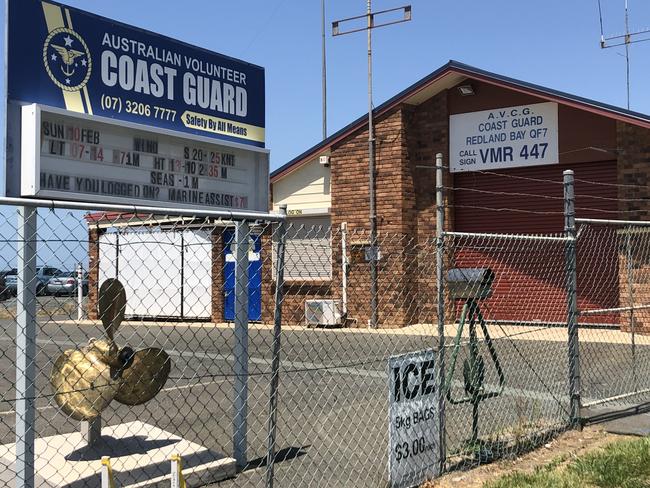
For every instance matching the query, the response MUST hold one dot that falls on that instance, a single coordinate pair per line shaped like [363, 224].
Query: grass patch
[623, 464]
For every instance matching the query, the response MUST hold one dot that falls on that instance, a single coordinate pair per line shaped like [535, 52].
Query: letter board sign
[414, 420]
[526, 135]
[100, 111]
[80, 157]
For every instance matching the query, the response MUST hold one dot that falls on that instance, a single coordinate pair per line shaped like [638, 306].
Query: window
[308, 251]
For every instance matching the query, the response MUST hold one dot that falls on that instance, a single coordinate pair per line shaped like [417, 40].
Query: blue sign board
[67, 58]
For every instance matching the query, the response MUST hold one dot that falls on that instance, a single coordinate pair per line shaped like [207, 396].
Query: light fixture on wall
[466, 90]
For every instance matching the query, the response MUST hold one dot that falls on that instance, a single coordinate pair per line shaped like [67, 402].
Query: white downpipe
[344, 265]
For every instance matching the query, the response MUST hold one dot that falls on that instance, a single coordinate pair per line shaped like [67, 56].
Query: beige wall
[307, 188]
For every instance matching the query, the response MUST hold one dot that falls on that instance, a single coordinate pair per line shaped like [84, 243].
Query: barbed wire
[545, 197]
[503, 193]
[513, 210]
[602, 183]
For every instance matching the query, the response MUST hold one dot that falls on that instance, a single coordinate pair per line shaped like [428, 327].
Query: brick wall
[633, 159]
[218, 243]
[268, 283]
[406, 137]
[428, 134]
[350, 203]
[634, 204]
[93, 273]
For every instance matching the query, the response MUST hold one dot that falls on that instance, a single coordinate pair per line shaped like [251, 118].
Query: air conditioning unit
[322, 312]
[324, 160]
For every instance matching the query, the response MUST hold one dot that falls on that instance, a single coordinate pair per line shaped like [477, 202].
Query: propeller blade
[112, 303]
[82, 382]
[145, 377]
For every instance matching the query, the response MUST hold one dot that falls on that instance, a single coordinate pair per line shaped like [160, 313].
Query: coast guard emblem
[67, 59]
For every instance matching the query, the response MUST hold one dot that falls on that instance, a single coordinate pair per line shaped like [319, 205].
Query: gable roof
[446, 77]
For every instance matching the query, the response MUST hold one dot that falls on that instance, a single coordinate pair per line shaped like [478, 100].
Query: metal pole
[91, 431]
[136, 209]
[440, 282]
[26, 347]
[572, 301]
[371, 172]
[277, 335]
[324, 81]
[80, 292]
[627, 55]
[242, 235]
[630, 296]
[344, 266]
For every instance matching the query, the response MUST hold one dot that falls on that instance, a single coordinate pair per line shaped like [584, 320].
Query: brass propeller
[145, 378]
[83, 382]
[86, 380]
[112, 304]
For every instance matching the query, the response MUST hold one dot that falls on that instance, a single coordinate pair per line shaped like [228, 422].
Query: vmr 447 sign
[525, 135]
[414, 430]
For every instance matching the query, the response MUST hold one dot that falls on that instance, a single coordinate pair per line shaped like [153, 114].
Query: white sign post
[70, 156]
[414, 423]
[526, 135]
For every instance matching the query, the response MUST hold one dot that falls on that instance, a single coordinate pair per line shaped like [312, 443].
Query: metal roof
[466, 71]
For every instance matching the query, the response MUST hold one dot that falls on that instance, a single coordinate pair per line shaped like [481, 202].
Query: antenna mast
[623, 40]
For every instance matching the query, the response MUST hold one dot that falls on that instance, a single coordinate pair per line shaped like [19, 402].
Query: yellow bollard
[177, 472]
[107, 473]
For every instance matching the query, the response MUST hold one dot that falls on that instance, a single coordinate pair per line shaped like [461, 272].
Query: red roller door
[529, 285]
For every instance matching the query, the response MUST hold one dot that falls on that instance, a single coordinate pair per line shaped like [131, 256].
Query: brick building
[326, 187]
[328, 184]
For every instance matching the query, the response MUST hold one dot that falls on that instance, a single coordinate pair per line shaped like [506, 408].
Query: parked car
[4, 291]
[66, 284]
[43, 275]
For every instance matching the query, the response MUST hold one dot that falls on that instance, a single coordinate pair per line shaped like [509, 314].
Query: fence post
[26, 347]
[240, 349]
[630, 297]
[440, 283]
[80, 292]
[277, 334]
[572, 299]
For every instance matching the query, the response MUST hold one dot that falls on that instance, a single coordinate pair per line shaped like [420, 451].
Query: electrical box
[322, 312]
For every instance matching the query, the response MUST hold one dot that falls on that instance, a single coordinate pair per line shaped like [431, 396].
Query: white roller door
[149, 269]
[197, 274]
[165, 274]
[107, 257]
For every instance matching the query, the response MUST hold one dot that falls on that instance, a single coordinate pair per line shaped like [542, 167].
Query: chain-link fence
[199, 377]
[615, 356]
[506, 347]
[256, 384]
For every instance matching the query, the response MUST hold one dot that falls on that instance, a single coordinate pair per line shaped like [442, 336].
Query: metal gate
[615, 357]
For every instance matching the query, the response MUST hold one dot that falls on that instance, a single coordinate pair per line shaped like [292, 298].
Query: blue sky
[552, 42]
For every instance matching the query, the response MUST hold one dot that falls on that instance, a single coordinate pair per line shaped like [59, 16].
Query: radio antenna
[623, 40]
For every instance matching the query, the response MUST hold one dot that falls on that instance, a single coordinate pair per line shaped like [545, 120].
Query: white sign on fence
[503, 138]
[79, 157]
[414, 420]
